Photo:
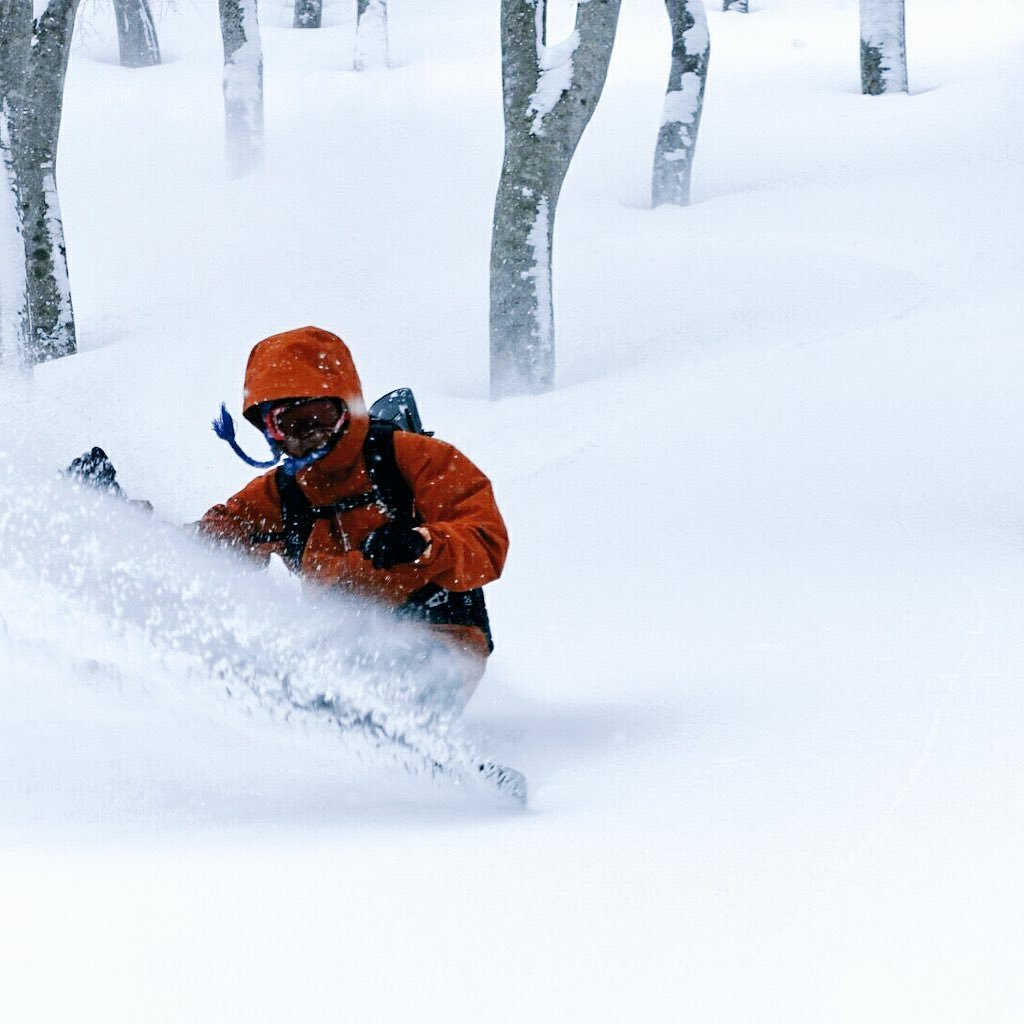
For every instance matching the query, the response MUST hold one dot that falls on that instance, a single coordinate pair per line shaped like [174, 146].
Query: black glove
[95, 469]
[393, 543]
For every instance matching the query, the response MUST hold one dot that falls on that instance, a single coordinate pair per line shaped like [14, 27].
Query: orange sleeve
[253, 510]
[456, 504]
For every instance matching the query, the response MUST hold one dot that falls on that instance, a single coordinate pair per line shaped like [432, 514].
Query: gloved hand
[393, 543]
[95, 469]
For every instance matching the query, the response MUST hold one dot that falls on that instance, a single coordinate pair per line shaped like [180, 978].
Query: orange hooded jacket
[453, 499]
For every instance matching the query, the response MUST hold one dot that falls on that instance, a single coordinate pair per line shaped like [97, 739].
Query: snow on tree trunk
[307, 13]
[243, 86]
[736, 5]
[684, 100]
[51, 317]
[12, 260]
[550, 94]
[371, 35]
[883, 48]
[136, 34]
[33, 64]
[15, 44]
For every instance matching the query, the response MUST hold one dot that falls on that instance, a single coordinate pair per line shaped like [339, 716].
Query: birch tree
[36, 316]
[371, 35]
[307, 13]
[15, 40]
[883, 48]
[684, 101]
[549, 95]
[243, 86]
[136, 34]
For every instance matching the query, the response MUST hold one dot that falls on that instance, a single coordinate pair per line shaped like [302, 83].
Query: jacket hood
[307, 362]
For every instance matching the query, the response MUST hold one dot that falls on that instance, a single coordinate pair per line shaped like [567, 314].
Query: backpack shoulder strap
[394, 492]
[298, 515]
[297, 518]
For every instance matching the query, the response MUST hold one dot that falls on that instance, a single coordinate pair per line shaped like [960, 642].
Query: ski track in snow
[974, 630]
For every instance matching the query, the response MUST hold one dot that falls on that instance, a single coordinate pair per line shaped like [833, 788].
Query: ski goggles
[304, 417]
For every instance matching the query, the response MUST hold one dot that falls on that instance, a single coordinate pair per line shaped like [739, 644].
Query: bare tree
[136, 34]
[33, 64]
[243, 85]
[371, 34]
[883, 47]
[307, 13]
[15, 42]
[684, 101]
[550, 93]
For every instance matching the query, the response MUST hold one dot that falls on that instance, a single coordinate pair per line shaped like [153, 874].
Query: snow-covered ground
[760, 638]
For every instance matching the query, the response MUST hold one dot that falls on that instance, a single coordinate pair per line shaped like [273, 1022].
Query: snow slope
[759, 638]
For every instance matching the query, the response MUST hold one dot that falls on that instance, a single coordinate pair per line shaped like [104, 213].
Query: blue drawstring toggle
[224, 428]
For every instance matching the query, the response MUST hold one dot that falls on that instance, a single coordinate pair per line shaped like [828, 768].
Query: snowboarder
[358, 506]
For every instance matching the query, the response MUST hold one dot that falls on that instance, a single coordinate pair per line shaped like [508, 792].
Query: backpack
[395, 411]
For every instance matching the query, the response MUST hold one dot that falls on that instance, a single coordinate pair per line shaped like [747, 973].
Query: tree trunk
[742, 6]
[371, 35]
[307, 14]
[550, 93]
[684, 101]
[15, 46]
[34, 58]
[12, 269]
[243, 86]
[136, 34]
[883, 48]
[12, 261]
